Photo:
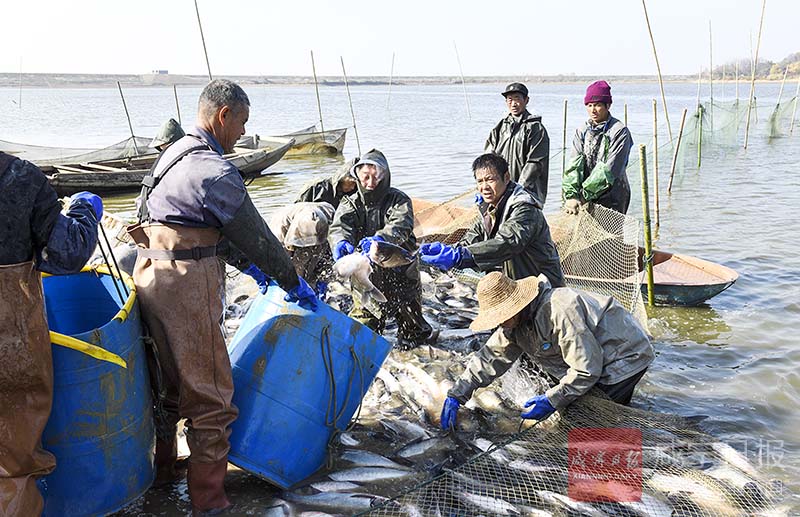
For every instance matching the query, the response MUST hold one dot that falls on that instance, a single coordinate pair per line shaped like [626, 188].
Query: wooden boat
[119, 176]
[308, 141]
[680, 280]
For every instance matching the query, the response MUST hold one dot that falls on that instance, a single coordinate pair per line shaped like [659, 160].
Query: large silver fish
[388, 255]
[356, 268]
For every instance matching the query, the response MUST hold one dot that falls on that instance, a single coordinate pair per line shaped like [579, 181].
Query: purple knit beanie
[598, 91]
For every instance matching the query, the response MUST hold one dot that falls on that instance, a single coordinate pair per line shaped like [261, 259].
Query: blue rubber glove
[449, 413]
[445, 259]
[259, 276]
[541, 408]
[97, 203]
[478, 199]
[342, 248]
[322, 289]
[366, 242]
[303, 295]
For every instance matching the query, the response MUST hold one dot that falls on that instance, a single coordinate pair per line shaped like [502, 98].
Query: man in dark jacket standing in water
[194, 207]
[522, 140]
[35, 237]
[378, 211]
[511, 233]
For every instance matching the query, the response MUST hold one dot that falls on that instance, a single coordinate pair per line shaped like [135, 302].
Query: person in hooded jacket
[378, 211]
[522, 140]
[330, 190]
[580, 340]
[601, 147]
[511, 232]
[194, 208]
[37, 237]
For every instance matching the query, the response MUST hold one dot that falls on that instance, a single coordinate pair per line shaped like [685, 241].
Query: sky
[252, 37]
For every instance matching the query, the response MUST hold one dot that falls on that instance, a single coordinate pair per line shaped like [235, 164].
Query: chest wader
[26, 389]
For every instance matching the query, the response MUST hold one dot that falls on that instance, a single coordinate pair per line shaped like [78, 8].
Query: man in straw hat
[579, 339]
[600, 155]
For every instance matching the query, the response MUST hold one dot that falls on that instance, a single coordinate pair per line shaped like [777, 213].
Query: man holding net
[580, 340]
[601, 147]
[511, 232]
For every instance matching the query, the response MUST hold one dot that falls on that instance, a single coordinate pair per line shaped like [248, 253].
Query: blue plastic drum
[101, 425]
[298, 376]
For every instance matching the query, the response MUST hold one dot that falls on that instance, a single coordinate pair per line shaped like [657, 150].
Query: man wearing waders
[195, 207]
[36, 238]
[596, 172]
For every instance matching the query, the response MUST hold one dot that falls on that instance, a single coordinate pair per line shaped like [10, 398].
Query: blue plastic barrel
[297, 374]
[101, 425]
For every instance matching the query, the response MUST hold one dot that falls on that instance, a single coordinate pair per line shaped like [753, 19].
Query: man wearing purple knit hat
[596, 172]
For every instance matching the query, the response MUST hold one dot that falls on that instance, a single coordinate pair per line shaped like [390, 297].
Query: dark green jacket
[597, 170]
[526, 147]
[385, 211]
[519, 241]
[326, 190]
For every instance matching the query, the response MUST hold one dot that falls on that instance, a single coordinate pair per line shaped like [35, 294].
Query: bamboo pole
[794, 109]
[699, 83]
[316, 88]
[783, 83]
[675, 152]
[177, 105]
[655, 161]
[350, 100]
[648, 238]
[711, 66]
[658, 68]
[753, 77]
[737, 84]
[203, 39]
[625, 113]
[130, 126]
[20, 84]
[564, 142]
[463, 84]
[391, 75]
[700, 111]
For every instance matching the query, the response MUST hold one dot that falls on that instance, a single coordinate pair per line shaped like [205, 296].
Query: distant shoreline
[11, 80]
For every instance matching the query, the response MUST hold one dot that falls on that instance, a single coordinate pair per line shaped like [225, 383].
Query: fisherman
[302, 228]
[511, 233]
[596, 173]
[36, 238]
[331, 190]
[579, 339]
[522, 140]
[379, 212]
[194, 207]
[169, 133]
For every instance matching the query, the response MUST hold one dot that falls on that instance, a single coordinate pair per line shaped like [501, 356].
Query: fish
[369, 474]
[387, 255]
[584, 509]
[356, 268]
[279, 508]
[362, 458]
[735, 458]
[334, 486]
[348, 439]
[406, 428]
[337, 501]
[424, 446]
[495, 505]
[695, 491]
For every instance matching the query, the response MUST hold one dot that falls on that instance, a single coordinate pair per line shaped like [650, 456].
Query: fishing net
[598, 248]
[596, 458]
[41, 155]
[781, 117]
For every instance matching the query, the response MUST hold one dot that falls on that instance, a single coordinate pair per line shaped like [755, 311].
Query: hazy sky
[267, 37]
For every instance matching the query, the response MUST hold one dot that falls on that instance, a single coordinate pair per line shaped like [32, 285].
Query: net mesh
[574, 464]
[598, 249]
[41, 155]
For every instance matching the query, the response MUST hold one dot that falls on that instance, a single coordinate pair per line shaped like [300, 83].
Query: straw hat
[500, 298]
